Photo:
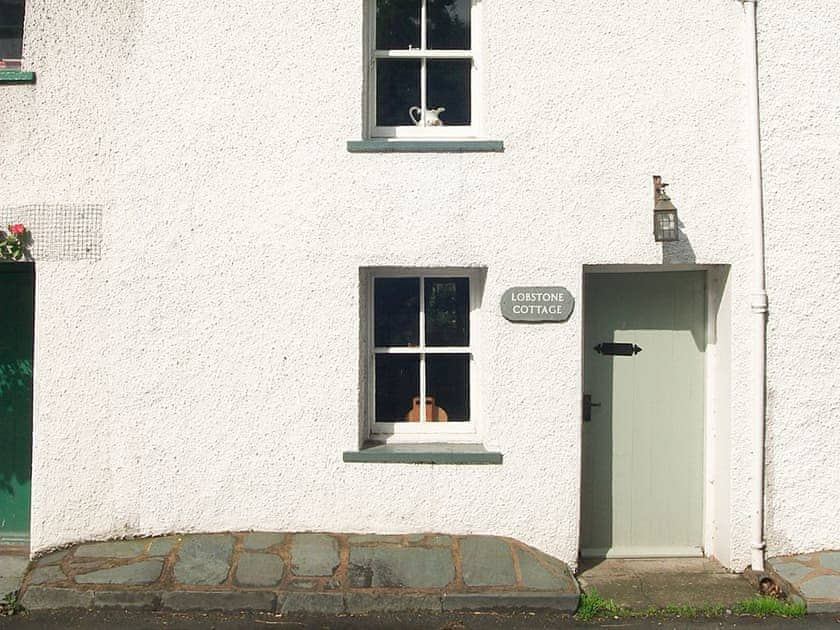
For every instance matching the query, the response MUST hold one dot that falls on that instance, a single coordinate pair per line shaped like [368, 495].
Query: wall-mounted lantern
[665, 225]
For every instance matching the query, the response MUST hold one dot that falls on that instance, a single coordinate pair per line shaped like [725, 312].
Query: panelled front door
[643, 414]
[17, 286]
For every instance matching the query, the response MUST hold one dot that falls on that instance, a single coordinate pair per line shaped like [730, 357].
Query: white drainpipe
[758, 298]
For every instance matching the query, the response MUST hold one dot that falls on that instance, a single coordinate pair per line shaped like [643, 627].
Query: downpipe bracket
[759, 303]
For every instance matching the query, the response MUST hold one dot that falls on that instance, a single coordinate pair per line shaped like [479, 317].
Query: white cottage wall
[800, 83]
[204, 374]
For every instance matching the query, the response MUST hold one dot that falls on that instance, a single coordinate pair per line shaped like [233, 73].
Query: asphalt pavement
[508, 620]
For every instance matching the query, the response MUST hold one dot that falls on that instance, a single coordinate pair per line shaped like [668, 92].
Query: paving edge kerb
[325, 574]
[47, 598]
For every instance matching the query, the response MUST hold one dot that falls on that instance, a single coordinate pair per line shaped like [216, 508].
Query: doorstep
[281, 572]
[815, 577]
[642, 584]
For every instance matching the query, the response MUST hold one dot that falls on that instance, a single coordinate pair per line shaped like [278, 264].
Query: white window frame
[413, 131]
[396, 432]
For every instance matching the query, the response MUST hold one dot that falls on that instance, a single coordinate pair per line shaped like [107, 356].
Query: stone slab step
[815, 577]
[326, 573]
[640, 584]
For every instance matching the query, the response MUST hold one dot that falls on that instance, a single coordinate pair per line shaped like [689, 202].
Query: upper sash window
[423, 68]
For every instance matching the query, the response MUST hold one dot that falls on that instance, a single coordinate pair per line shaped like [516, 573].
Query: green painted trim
[457, 454]
[16, 266]
[13, 539]
[16, 76]
[425, 146]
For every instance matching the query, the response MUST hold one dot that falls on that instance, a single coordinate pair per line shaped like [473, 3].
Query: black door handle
[617, 349]
[587, 407]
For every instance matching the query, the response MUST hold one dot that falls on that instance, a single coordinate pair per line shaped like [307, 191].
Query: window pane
[11, 29]
[397, 387]
[397, 91]
[448, 86]
[396, 312]
[397, 24]
[448, 384]
[447, 311]
[448, 24]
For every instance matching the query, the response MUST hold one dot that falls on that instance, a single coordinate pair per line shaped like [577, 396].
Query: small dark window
[11, 33]
[422, 355]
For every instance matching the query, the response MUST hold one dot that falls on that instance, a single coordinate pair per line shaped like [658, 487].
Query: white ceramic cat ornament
[432, 117]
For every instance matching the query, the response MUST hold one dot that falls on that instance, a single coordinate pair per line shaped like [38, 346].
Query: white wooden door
[643, 446]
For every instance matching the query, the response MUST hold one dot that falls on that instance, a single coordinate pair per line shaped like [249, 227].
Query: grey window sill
[16, 76]
[466, 145]
[436, 453]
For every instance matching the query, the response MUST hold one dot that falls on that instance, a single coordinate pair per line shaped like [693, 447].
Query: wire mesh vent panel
[60, 232]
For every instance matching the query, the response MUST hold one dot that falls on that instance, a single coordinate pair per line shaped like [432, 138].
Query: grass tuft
[769, 607]
[593, 605]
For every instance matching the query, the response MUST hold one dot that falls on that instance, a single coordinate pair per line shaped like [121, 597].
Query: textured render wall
[56, 147]
[204, 374]
[800, 74]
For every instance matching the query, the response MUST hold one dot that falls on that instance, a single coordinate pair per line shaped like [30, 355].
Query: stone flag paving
[12, 569]
[301, 573]
[815, 577]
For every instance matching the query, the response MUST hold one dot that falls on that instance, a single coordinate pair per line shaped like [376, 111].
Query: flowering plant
[14, 243]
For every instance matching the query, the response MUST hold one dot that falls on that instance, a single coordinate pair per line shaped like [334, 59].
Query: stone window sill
[16, 76]
[435, 453]
[467, 145]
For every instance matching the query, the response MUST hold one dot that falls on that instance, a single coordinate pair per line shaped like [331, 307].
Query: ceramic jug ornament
[432, 116]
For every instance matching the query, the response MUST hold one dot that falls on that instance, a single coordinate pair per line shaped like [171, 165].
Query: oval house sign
[537, 304]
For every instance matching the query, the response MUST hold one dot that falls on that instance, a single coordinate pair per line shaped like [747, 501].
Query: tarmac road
[136, 620]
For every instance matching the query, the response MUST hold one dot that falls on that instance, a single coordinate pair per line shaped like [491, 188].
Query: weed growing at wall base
[10, 605]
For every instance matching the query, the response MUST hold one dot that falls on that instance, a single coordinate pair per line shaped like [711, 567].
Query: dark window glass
[11, 30]
[447, 311]
[448, 86]
[448, 384]
[448, 25]
[396, 316]
[397, 24]
[397, 387]
[397, 91]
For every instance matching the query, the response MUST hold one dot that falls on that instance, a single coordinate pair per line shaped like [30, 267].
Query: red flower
[17, 229]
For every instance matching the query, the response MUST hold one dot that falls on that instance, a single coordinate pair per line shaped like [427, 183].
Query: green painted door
[642, 476]
[17, 293]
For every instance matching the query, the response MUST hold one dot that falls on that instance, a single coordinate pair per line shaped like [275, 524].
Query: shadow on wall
[679, 252]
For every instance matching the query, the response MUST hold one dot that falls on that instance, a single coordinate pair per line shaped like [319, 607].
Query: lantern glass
[665, 227]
